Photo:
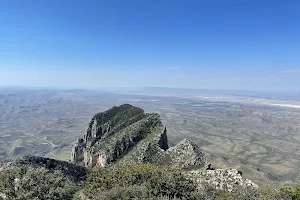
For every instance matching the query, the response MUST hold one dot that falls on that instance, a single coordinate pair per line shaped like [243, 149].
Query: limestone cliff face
[78, 151]
[96, 130]
[90, 160]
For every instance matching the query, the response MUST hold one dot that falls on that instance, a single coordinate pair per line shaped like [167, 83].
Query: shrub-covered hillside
[130, 181]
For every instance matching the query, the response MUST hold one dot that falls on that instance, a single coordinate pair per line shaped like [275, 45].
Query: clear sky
[242, 44]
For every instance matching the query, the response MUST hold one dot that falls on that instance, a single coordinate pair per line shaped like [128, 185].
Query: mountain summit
[127, 133]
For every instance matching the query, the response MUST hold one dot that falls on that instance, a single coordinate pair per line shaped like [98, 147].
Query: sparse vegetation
[115, 115]
[24, 182]
[130, 181]
[148, 180]
[176, 188]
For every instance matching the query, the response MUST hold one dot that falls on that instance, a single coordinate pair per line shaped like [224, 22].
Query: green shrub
[290, 193]
[157, 180]
[23, 182]
[126, 193]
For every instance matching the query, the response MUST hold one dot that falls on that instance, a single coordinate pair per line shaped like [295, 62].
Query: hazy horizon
[288, 95]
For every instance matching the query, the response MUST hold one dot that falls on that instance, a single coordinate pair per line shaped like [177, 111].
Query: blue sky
[253, 45]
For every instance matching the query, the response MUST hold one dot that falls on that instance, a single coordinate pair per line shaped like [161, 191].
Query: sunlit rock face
[78, 151]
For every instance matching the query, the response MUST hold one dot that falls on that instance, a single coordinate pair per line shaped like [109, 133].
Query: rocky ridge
[128, 134]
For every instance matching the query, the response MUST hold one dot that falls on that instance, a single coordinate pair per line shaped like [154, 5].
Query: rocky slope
[128, 134]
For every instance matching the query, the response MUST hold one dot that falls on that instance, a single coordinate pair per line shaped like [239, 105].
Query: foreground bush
[24, 182]
[138, 180]
[129, 181]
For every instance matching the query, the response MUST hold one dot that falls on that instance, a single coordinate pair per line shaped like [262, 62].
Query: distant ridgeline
[128, 134]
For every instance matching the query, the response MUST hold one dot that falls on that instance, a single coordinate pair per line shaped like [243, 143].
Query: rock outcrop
[186, 155]
[78, 150]
[222, 179]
